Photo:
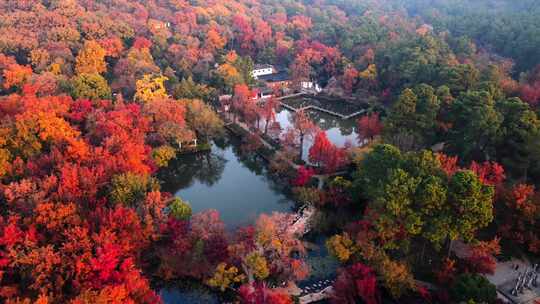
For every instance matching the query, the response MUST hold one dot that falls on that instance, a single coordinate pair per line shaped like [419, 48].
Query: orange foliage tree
[16, 75]
[91, 59]
[62, 230]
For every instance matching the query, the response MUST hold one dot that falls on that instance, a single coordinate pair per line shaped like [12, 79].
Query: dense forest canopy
[100, 96]
[510, 29]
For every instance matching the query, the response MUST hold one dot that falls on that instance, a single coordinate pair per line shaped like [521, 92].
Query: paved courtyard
[506, 278]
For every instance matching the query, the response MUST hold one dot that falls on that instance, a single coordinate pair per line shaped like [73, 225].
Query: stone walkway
[316, 107]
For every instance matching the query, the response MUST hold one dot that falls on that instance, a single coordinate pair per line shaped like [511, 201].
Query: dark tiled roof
[280, 76]
[262, 66]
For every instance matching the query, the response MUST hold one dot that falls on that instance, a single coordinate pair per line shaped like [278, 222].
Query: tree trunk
[207, 158]
[233, 110]
[423, 251]
[301, 146]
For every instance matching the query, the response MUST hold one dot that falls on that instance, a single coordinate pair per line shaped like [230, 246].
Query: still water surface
[237, 186]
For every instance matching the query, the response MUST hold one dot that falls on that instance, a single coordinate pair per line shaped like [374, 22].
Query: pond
[237, 186]
[188, 293]
[339, 131]
[322, 265]
[240, 188]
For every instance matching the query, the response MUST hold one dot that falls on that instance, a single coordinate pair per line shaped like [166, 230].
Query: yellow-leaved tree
[91, 59]
[224, 277]
[151, 87]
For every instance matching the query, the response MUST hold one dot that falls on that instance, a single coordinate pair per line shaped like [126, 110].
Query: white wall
[261, 72]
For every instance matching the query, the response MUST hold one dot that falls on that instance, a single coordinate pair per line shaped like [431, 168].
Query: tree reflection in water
[182, 172]
[328, 122]
[234, 183]
[339, 131]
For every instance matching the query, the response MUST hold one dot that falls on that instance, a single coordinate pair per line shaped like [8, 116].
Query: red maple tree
[326, 155]
[369, 126]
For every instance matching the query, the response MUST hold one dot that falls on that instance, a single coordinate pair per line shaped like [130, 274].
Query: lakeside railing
[315, 103]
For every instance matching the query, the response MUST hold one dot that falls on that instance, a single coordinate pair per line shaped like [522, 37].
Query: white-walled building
[262, 69]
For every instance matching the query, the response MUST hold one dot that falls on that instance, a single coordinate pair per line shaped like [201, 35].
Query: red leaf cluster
[260, 294]
[369, 126]
[326, 154]
[303, 176]
[357, 281]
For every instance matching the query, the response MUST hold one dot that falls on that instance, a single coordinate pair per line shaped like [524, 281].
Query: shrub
[90, 86]
[473, 287]
[130, 188]
[163, 154]
[180, 210]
